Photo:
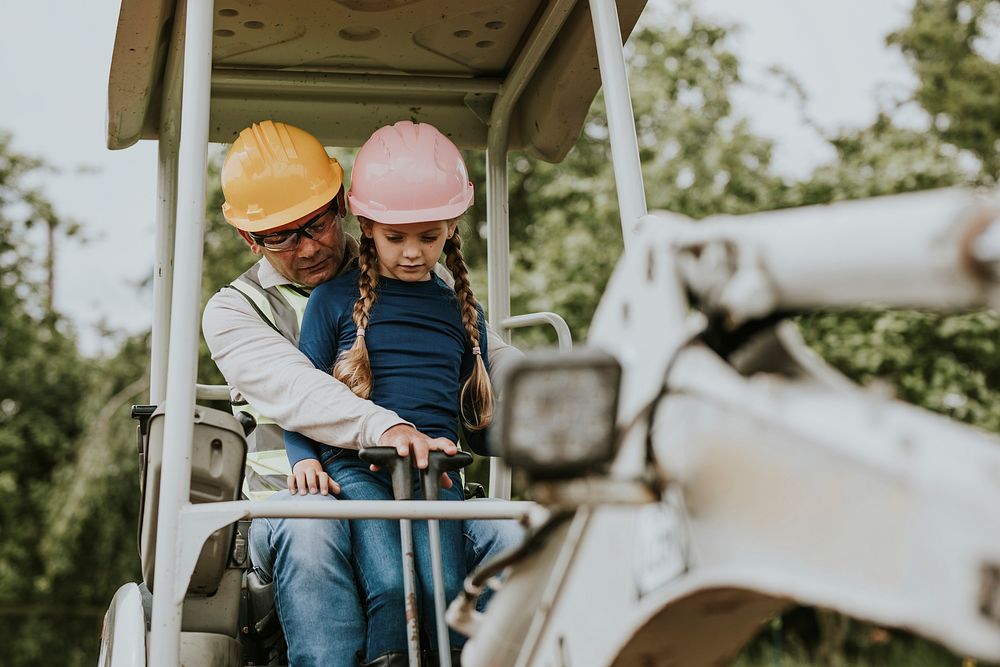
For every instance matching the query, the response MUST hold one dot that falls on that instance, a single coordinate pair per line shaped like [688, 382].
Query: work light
[557, 416]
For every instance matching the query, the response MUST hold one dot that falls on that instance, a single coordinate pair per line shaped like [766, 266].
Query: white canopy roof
[342, 68]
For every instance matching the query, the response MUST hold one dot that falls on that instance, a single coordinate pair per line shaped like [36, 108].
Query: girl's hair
[476, 397]
[353, 366]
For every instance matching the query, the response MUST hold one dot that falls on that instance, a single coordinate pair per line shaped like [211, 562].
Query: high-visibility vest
[281, 307]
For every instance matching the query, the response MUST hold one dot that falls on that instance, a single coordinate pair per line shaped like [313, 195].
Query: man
[285, 197]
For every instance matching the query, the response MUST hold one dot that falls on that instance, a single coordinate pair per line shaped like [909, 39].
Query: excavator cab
[495, 75]
[694, 470]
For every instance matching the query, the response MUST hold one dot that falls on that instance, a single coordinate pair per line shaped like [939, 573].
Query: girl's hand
[308, 476]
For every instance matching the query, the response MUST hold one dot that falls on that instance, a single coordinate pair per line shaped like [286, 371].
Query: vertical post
[498, 264]
[497, 212]
[168, 594]
[166, 214]
[621, 121]
[163, 267]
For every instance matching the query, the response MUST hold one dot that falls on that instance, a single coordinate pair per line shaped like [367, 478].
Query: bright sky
[835, 48]
[54, 62]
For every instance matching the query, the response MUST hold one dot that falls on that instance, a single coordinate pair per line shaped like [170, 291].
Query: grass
[808, 637]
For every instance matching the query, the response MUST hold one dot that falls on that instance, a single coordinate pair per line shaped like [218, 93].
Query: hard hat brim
[282, 218]
[381, 214]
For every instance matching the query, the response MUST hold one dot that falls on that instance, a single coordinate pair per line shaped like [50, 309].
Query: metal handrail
[544, 317]
[370, 509]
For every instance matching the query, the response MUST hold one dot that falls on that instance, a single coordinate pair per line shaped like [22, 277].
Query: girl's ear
[366, 227]
[452, 226]
[254, 248]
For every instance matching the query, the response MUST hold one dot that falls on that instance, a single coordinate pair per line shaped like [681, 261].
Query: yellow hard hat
[274, 174]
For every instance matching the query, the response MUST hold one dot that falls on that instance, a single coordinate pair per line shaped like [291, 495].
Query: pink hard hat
[409, 172]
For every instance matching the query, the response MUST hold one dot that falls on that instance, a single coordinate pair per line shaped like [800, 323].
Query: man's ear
[254, 248]
[342, 203]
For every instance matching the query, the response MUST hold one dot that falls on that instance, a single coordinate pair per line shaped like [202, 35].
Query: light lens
[557, 418]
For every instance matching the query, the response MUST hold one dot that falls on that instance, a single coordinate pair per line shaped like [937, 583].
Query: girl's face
[408, 252]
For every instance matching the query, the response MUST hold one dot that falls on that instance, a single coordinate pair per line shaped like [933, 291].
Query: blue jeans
[379, 564]
[309, 561]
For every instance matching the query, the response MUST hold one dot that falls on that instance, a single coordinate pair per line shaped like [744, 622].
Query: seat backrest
[218, 456]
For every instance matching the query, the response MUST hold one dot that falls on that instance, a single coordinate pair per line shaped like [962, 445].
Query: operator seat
[218, 457]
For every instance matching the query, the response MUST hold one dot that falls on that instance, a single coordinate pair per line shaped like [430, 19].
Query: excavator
[694, 468]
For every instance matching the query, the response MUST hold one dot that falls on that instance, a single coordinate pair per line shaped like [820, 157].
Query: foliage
[952, 47]
[226, 257]
[946, 363]
[88, 548]
[48, 596]
[698, 158]
[862, 645]
[880, 159]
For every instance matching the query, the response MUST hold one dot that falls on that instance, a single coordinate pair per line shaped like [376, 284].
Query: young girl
[395, 332]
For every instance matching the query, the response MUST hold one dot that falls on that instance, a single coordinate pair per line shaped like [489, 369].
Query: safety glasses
[315, 226]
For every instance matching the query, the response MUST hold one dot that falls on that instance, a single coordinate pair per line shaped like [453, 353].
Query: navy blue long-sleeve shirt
[417, 346]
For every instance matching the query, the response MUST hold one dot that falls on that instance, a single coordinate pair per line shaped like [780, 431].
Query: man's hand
[406, 439]
[308, 476]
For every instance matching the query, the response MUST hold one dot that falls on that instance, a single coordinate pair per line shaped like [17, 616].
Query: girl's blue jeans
[310, 563]
[378, 563]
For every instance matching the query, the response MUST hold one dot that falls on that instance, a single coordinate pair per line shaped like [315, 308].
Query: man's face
[315, 258]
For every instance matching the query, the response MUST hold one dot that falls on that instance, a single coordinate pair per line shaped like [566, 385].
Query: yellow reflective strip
[249, 289]
[253, 412]
[296, 301]
[257, 495]
[271, 462]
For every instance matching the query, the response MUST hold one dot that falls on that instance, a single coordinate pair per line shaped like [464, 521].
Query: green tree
[946, 363]
[698, 157]
[880, 159]
[68, 482]
[948, 45]
[41, 418]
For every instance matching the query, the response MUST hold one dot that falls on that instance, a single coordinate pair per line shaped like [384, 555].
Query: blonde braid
[476, 398]
[353, 366]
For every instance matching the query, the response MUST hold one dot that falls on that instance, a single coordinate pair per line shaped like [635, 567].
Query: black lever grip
[437, 463]
[247, 421]
[383, 457]
[142, 414]
[399, 466]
